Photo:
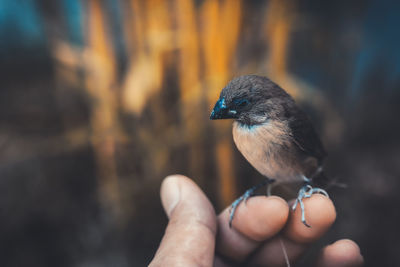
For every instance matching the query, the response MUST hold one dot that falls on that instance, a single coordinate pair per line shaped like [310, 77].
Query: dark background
[100, 100]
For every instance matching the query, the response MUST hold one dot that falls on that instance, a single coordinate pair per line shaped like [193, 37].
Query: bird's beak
[221, 111]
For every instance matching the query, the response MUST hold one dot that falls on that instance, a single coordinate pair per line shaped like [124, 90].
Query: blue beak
[221, 111]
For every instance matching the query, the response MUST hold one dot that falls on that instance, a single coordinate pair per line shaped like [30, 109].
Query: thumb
[189, 239]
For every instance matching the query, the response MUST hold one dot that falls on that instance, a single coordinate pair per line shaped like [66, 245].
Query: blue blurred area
[20, 25]
[114, 10]
[379, 47]
[74, 10]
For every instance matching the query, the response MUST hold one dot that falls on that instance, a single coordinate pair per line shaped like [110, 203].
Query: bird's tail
[320, 179]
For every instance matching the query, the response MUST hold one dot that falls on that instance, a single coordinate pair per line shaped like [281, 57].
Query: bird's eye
[241, 102]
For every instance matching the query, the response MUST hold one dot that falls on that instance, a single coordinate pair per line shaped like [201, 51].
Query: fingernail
[170, 193]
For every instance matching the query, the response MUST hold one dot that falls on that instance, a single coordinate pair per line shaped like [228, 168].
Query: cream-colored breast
[269, 149]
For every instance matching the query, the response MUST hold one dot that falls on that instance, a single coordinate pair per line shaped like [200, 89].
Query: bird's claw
[233, 208]
[306, 192]
[244, 199]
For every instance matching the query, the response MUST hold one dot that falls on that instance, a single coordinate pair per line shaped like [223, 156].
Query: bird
[274, 135]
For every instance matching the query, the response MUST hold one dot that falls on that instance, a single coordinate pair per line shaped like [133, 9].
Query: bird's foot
[306, 192]
[245, 197]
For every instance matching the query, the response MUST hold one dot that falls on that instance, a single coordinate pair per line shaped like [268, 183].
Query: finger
[320, 214]
[189, 239]
[277, 252]
[255, 221]
[342, 253]
[219, 262]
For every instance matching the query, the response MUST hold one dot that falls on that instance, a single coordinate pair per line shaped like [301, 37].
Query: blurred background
[100, 100]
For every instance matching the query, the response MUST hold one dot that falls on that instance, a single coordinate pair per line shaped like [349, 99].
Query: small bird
[273, 134]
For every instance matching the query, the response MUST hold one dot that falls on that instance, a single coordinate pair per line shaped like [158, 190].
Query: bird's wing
[305, 137]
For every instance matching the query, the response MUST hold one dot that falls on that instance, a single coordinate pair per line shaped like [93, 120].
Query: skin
[196, 236]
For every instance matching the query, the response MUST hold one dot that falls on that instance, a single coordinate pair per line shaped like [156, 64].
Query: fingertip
[170, 192]
[190, 235]
[174, 179]
[320, 214]
[261, 217]
[255, 221]
[343, 253]
[181, 193]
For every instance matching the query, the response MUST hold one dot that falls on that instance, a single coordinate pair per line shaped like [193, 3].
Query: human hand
[195, 236]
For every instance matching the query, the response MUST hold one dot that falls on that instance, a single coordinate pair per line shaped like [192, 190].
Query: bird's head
[251, 100]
